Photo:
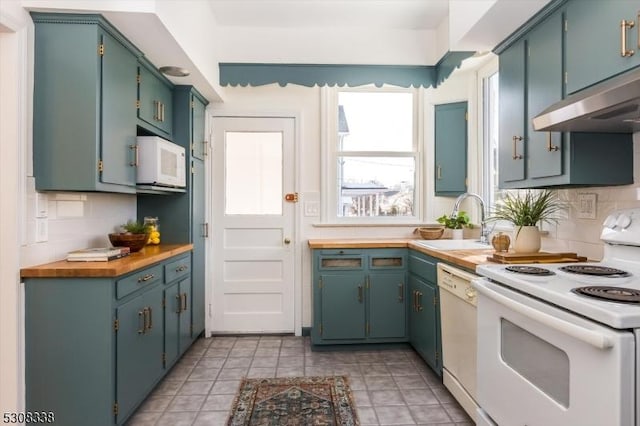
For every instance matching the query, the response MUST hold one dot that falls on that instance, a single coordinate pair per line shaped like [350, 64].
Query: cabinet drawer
[138, 280]
[334, 263]
[423, 266]
[177, 268]
[396, 259]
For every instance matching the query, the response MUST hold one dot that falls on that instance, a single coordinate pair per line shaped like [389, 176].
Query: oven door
[539, 365]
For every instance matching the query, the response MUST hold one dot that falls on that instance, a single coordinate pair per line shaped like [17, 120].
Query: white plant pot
[526, 239]
[457, 234]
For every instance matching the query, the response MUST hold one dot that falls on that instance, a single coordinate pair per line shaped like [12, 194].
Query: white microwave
[160, 162]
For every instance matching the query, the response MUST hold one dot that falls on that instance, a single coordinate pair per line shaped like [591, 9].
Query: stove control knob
[623, 221]
[610, 221]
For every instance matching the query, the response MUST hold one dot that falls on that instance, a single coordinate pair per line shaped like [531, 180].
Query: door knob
[287, 241]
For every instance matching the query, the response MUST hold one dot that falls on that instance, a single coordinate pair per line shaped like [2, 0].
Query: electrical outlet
[42, 205]
[587, 206]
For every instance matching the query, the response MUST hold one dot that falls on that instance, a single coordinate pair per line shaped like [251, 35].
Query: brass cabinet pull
[161, 112]
[179, 301]
[136, 153]
[360, 293]
[438, 172]
[400, 292]
[145, 278]
[156, 110]
[184, 302]
[414, 299]
[142, 314]
[624, 26]
[419, 301]
[150, 326]
[550, 146]
[206, 230]
[182, 268]
[515, 155]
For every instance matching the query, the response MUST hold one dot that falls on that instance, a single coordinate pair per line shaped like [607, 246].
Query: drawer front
[341, 263]
[177, 268]
[138, 280]
[388, 259]
[423, 266]
[339, 252]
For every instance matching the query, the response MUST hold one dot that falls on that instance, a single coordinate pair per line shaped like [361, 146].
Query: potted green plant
[456, 223]
[526, 211]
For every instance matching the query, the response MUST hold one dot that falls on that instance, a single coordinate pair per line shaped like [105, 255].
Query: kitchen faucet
[456, 207]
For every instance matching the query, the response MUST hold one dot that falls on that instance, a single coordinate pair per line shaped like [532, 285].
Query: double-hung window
[372, 156]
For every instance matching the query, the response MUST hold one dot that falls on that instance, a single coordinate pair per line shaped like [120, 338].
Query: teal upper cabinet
[596, 49]
[199, 145]
[155, 101]
[544, 87]
[84, 123]
[531, 79]
[511, 151]
[451, 149]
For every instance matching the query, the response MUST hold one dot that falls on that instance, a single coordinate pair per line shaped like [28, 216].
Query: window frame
[330, 153]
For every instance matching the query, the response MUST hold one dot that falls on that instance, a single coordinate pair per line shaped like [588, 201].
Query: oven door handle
[588, 336]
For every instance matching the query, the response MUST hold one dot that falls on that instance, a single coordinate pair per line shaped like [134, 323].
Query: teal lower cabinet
[424, 311]
[359, 296]
[96, 347]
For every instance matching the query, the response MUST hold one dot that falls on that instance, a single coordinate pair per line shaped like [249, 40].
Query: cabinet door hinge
[193, 104]
[566, 25]
[115, 409]
[101, 49]
[116, 325]
[435, 301]
[138, 79]
[100, 166]
[566, 77]
[321, 329]
[368, 329]
[437, 355]
[193, 170]
[138, 104]
[164, 302]
[466, 116]
[164, 358]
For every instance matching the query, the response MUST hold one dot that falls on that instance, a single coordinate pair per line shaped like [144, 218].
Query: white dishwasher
[459, 335]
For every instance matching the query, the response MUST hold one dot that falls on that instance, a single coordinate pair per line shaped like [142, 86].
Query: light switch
[311, 208]
[42, 205]
[42, 230]
[587, 206]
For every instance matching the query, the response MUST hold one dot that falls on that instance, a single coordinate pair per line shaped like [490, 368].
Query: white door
[253, 246]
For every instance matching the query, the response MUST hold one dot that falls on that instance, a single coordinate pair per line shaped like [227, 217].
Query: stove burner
[612, 294]
[601, 271]
[529, 270]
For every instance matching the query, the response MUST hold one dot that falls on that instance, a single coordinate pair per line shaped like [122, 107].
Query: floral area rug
[290, 401]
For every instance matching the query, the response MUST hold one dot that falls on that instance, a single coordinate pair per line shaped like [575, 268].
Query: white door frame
[297, 230]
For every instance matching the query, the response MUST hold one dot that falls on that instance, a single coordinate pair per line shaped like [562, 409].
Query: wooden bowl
[135, 242]
[431, 232]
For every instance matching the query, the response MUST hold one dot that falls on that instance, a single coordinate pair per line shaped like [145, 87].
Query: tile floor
[390, 387]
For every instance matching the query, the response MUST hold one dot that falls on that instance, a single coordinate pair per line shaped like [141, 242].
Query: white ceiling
[199, 34]
[381, 14]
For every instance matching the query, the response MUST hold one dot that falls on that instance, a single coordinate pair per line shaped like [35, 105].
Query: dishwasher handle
[585, 335]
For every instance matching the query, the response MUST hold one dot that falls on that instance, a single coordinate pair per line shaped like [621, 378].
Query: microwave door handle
[588, 336]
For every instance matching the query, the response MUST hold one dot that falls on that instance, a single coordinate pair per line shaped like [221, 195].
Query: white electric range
[558, 344]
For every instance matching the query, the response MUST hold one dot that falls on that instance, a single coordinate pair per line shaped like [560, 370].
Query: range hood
[612, 106]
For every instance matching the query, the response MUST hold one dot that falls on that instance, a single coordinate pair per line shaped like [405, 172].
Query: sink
[452, 244]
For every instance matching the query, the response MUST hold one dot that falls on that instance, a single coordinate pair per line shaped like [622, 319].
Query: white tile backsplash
[75, 221]
[583, 235]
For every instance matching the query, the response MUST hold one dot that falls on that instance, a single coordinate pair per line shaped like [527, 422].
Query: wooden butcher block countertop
[143, 258]
[468, 259]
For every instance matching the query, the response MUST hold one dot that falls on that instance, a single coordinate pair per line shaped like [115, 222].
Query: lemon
[154, 234]
[155, 241]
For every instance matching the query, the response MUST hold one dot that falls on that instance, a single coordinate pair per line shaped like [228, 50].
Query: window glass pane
[379, 121]
[253, 173]
[375, 186]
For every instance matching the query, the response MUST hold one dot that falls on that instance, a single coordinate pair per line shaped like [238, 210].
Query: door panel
[343, 312]
[387, 313]
[253, 237]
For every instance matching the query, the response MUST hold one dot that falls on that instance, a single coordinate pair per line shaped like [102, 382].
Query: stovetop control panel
[622, 227]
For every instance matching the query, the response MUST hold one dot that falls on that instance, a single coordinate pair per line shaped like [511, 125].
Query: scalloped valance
[245, 74]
